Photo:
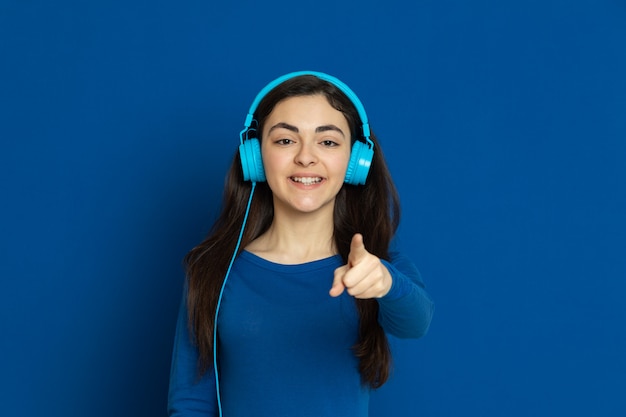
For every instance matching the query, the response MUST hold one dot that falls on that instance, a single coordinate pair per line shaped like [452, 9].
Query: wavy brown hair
[372, 209]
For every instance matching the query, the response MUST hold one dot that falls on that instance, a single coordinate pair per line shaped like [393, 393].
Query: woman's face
[305, 149]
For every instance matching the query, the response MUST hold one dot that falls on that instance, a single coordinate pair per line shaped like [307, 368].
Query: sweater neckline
[334, 260]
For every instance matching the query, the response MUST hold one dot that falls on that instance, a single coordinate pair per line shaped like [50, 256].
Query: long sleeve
[189, 396]
[407, 310]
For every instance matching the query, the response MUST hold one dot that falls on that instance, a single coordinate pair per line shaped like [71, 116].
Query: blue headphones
[361, 154]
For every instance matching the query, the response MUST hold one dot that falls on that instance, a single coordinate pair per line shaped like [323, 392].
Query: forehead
[310, 108]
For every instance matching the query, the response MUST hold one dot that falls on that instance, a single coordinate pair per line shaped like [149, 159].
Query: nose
[306, 155]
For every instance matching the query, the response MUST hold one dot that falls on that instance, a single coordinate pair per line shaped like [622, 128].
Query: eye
[283, 141]
[329, 143]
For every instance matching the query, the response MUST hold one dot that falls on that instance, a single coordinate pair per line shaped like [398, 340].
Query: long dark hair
[372, 209]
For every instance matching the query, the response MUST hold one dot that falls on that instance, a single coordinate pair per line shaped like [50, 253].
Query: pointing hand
[364, 276]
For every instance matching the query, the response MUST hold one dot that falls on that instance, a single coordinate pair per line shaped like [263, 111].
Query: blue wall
[504, 125]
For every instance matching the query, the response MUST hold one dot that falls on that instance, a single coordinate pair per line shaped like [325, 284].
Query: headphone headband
[343, 87]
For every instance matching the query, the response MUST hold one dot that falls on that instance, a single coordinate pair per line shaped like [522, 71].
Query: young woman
[289, 299]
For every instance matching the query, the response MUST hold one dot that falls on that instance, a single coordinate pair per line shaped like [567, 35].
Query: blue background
[504, 124]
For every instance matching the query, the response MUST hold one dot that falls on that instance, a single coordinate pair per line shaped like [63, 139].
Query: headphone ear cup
[251, 161]
[359, 165]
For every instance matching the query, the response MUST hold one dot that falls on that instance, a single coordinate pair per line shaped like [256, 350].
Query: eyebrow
[326, 128]
[319, 129]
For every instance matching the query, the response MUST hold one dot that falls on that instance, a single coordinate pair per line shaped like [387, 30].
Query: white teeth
[307, 180]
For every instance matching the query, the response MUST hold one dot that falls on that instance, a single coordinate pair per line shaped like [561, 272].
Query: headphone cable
[219, 299]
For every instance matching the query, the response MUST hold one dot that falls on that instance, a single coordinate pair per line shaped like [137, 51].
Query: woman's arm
[189, 394]
[406, 310]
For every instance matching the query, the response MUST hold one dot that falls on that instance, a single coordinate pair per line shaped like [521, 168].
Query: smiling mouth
[307, 180]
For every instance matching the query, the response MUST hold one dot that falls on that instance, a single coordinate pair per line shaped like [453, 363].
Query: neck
[294, 239]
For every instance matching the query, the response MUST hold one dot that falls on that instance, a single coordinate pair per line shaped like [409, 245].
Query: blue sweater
[285, 344]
